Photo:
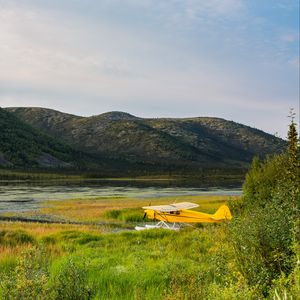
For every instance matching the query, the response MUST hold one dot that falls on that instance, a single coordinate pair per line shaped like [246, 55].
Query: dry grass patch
[40, 230]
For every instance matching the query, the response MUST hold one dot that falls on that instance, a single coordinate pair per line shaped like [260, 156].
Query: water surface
[18, 197]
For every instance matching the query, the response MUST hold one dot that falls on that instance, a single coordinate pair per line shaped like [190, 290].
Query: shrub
[264, 234]
[29, 279]
[262, 242]
[70, 281]
[262, 179]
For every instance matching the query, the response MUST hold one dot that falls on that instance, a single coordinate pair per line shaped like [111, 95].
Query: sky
[234, 59]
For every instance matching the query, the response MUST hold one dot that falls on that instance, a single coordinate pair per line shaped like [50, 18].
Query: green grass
[155, 264]
[69, 261]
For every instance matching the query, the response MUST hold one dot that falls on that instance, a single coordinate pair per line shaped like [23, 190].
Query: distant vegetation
[36, 174]
[22, 146]
[119, 144]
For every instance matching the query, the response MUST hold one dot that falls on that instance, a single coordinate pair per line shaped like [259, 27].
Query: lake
[24, 196]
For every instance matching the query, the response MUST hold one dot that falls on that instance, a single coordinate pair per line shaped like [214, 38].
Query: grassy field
[89, 259]
[155, 264]
[99, 255]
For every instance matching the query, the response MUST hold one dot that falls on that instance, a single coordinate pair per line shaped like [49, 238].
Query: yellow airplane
[181, 213]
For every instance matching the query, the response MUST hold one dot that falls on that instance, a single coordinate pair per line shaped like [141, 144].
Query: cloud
[151, 58]
[36, 48]
[192, 13]
[215, 7]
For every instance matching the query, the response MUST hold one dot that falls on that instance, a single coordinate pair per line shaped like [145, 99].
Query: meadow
[98, 255]
[100, 264]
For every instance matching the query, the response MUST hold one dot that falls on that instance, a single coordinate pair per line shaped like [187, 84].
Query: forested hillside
[166, 143]
[22, 146]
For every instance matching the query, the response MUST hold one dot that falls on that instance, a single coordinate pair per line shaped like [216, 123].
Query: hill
[161, 143]
[22, 146]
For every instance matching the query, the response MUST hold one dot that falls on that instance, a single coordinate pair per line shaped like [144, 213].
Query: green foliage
[287, 287]
[262, 179]
[293, 148]
[71, 282]
[262, 241]
[264, 234]
[29, 279]
[293, 169]
[32, 278]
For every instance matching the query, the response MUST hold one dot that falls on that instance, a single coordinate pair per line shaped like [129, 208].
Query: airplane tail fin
[223, 213]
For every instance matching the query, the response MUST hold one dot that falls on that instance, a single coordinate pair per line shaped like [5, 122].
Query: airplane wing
[185, 205]
[172, 207]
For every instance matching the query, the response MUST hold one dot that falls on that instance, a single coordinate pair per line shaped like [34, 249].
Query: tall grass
[129, 265]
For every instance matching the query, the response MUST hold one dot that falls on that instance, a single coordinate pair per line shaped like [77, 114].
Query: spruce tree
[293, 148]
[293, 170]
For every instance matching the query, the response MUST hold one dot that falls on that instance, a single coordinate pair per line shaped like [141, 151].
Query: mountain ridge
[201, 142]
[24, 147]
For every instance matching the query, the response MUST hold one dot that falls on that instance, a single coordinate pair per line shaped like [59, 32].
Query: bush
[262, 179]
[264, 235]
[262, 242]
[29, 279]
[70, 281]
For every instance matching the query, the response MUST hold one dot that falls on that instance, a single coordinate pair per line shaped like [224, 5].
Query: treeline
[14, 174]
[209, 176]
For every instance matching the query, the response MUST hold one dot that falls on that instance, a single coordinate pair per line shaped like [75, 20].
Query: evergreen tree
[293, 148]
[293, 161]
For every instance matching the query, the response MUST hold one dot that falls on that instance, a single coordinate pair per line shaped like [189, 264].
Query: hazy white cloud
[214, 7]
[166, 58]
